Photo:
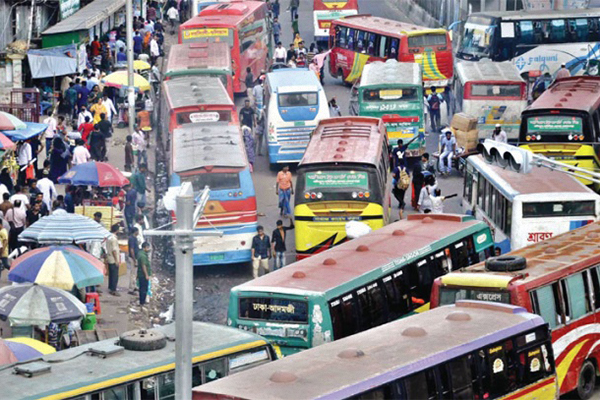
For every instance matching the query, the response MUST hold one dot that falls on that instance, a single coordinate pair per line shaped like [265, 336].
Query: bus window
[381, 393]
[393, 48]
[166, 386]
[536, 365]
[122, 392]
[349, 315]
[595, 281]
[371, 40]
[415, 386]
[382, 46]
[581, 29]
[350, 39]
[214, 370]
[577, 296]
[557, 31]
[460, 372]
[396, 293]
[468, 185]
[360, 41]
[148, 388]
[481, 191]
[364, 311]
[378, 304]
[494, 371]
[544, 302]
[526, 30]
[340, 36]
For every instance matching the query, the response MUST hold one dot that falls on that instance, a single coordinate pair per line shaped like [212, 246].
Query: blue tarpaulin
[33, 129]
[54, 61]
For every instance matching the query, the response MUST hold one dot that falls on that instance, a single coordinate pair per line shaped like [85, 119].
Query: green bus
[393, 91]
[359, 284]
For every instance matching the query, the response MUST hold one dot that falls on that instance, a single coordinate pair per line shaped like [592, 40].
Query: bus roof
[293, 78]
[539, 181]
[384, 25]
[195, 91]
[545, 260]
[538, 14]
[201, 145]
[580, 93]
[229, 14]
[346, 140]
[391, 72]
[358, 363]
[488, 71]
[186, 58]
[86, 373]
[393, 244]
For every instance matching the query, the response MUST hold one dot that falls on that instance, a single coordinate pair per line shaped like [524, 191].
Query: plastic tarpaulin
[54, 61]
[33, 129]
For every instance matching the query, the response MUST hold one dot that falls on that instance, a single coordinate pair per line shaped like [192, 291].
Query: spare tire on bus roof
[143, 340]
[506, 263]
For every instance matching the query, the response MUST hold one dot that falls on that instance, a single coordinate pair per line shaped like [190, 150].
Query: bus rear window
[271, 309]
[452, 295]
[298, 99]
[482, 90]
[203, 117]
[559, 209]
[554, 125]
[217, 181]
[427, 40]
[390, 94]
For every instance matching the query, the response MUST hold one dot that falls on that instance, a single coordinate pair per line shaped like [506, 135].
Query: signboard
[204, 117]
[208, 32]
[68, 8]
[336, 179]
[554, 124]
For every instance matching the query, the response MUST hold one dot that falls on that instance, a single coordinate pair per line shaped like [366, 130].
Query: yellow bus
[343, 176]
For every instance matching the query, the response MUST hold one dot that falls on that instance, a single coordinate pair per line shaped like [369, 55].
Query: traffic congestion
[369, 205]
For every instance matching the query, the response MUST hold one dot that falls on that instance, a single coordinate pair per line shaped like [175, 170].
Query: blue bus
[294, 102]
[213, 155]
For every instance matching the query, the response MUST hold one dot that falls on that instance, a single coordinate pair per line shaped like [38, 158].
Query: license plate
[299, 123]
[216, 257]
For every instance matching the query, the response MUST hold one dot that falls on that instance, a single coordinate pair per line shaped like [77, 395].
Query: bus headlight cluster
[235, 194]
[313, 195]
[532, 138]
[576, 137]
[361, 195]
[298, 333]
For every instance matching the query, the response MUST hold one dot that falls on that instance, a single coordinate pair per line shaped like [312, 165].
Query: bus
[117, 369]
[522, 209]
[213, 155]
[295, 101]
[563, 123]
[325, 11]
[472, 350]
[199, 5]
[393, 91]
[537, 40]
[206, 59]
[195, 99]
[342, 177]
[244, 26]
[359, 39]
[558, 279]
[494, 93]
[360, 284]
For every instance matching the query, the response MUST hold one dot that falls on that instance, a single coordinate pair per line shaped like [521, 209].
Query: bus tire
[143, 340]
[506, 263]
[587, 380]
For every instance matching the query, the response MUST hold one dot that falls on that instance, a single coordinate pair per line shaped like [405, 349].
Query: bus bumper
[219, 258]
[229, 249]
[285, 156]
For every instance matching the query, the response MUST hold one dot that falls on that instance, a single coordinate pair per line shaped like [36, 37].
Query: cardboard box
[468, 140]
[464, 122]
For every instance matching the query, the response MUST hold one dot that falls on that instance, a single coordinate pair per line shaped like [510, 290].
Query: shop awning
[88, 17]
[33, 129]
[55, 61]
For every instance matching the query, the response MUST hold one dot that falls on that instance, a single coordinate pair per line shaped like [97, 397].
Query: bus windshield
[431, 39]
[559, 209]
[449, 295]
[273, 309]
[495, 90]
[390, 94]
[478, 38]
[298, 99]
[553, 127]
[216, 181]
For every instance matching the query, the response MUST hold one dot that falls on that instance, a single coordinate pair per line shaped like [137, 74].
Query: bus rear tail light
[235, 194]
[319, 195]
[243, 242]
[354, 195]
[313, 195]
[367, 195]
[240, 193]
[230, 194]
[307, 195]
[361, 195]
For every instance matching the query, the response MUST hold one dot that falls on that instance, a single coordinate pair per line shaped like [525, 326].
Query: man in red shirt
[96, 47]
[85, 129]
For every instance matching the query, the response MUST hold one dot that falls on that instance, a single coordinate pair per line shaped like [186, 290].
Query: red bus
[326, 11]
[243, 25]
[206, 59]
[558, 279]
[359, 39]
[196, 99]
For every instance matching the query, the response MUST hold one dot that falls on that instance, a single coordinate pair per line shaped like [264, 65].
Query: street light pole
[130, 88]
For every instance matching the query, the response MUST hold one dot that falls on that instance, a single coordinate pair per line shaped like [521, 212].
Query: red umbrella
[94, 174]
[9, 122]
[6, 355]
[6, 143]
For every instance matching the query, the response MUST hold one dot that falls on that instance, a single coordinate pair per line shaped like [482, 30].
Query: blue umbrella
[94, 174]
[63, 228]
[32, 129]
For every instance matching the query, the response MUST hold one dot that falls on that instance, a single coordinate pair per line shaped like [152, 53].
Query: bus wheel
[587, 381]
[143, 340]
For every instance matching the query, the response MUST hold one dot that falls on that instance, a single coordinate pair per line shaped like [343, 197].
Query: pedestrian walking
[250, 145]
[112, 259]
[24, 157]
[3, 246]
[278, 244]
[276, 26]
[284, 188]
[499, 135]
[81, 154]
[50, 130]
[418, 179]
[425, 205]
[261, 252]
[139, 146]
[81, 118]
[247, 115]
[129, 160]
[294, 4]
[173, 15]
[437, 201]
[258, 96]
[46, 186]
[130, 205]
[109, 106]
[154, 49]
[450, 101]
[276, 8]
[280, 54]
[434, 101]
[400, 182]
[17, 218]
[447, 151]
[144, 272]
[138, 181]
[133, 249]
[106, 131]
[334, 109]
[295, 27]
[249, 82]
[291, 52]
[562, 72]
[259, 132]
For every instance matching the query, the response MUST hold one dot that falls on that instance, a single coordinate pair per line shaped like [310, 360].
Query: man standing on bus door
[434, 100]
[284, 188]
[278, 247]
[261, 252]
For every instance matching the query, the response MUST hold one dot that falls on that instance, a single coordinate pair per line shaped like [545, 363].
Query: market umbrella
[140, 65]
[22, 349]
[6, 143]
[9, 122]
[31, 129]
[61, 227]
[27, 304]
[58, 266]
[94, 174]
[119, 79]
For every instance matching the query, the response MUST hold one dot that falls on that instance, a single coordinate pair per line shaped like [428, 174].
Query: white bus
[535, 40]
[295, 102]
[522, 209]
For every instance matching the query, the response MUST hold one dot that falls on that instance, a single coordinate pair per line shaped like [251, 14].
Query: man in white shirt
[154, 49]
[110, 107]
[258, 95]
[47, 188]
[139, 144]
[173, 15]
[21, 197]
[499, 135]
[82, 114]
[437, 201]
[50, 131]
[447, 149]
[280, 54]
[81, 155]
[24, 157]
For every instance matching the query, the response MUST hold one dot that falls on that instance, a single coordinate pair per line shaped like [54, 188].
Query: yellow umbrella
[140, 65]
[119, 79]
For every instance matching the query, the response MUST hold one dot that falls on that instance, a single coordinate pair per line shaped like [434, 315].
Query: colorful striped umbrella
[63, 228]
[6, 143]
[94, 174]
[9, 122]
[22, 349]
[27, 304]
[58, 266]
